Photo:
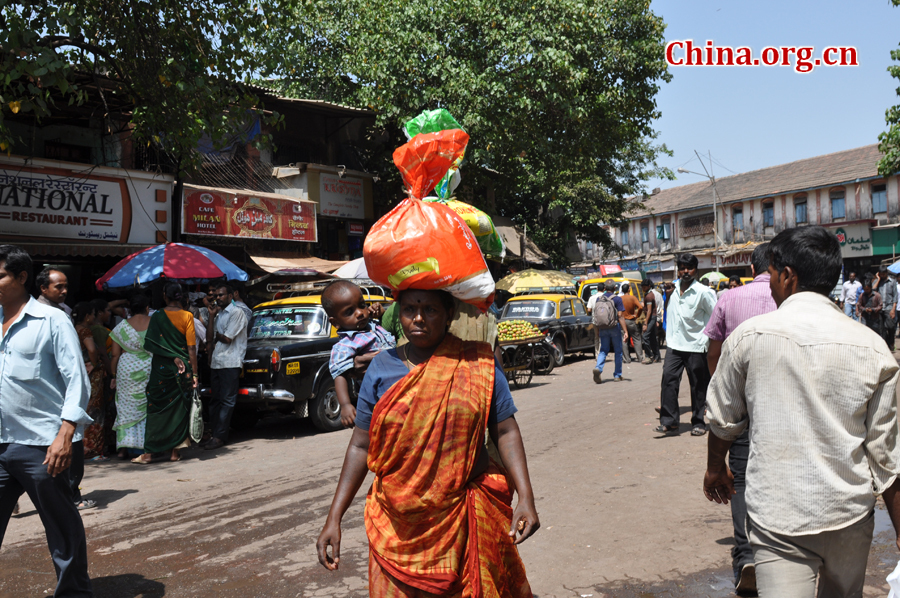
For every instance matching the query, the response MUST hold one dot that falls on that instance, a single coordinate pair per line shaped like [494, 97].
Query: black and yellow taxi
[286, 364]
[561, 316]
[589, 288]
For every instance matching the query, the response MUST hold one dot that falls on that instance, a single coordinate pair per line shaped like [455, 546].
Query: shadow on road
[104, 497]
[127, 585]
[709, 584]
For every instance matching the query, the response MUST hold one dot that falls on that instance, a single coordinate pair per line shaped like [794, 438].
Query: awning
[511, 235]
[275, 261]
[71, 249]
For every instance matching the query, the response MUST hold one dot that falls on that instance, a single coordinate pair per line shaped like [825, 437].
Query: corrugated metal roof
[811, 173]
[322, 104]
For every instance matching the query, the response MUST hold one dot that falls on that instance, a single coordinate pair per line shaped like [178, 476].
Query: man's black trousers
[224, 384]
[22, 469]
[698, 376]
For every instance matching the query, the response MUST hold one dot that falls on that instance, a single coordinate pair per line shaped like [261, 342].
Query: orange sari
[432, 531]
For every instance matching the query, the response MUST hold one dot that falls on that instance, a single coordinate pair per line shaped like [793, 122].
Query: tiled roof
[811, 173]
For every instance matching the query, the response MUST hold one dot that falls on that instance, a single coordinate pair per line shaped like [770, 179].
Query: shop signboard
[357, 228]
[855, 240]
[341, 197]
[224, 213]
[47, 199]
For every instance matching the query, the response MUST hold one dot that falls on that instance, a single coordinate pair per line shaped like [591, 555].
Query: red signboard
[356, 228]
[262, 216]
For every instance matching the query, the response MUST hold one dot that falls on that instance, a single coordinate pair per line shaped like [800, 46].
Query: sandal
[667, 430]
[698, 430]
[140, 461]
[99, 459]
[86, 504]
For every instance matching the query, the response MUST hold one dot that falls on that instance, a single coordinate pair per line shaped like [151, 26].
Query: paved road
[621, 509]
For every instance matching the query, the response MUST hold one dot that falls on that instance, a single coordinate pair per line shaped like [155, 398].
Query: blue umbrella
[178, 262]
[895, 267]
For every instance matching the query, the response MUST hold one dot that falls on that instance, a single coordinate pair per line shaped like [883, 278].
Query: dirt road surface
[621, 509]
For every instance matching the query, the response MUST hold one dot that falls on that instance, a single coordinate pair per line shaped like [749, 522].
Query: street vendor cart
[518, 359]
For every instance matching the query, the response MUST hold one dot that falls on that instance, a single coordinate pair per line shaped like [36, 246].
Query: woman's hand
[330, 536]
[180, 365]
[196, 381]
[112, 384]
[524, 521]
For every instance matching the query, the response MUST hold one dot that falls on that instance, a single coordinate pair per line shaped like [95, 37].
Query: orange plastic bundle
[420, 245]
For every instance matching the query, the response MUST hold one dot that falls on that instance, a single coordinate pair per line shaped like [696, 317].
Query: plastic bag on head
[481, 224]
[428, 246]
[430, 121]
[424, 160]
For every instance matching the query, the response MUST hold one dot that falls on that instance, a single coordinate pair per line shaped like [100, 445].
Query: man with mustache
[687, 314]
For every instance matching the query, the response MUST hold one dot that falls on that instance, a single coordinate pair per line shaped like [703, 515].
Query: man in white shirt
[226, 340]
[820, 450]
[849, 292]
[54, 287]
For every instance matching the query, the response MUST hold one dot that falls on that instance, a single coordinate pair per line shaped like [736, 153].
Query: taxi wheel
[560, 345]
[324, 409]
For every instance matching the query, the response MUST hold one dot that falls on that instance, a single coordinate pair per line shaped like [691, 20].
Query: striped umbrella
[178, 262]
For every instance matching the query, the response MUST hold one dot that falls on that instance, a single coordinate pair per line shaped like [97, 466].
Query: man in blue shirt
[44, 391]
[610, 338]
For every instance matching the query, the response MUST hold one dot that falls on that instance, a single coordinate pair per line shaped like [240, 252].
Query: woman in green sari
[172, 341]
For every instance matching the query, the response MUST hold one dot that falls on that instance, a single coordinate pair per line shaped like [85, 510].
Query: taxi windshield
[533, 308]
[289, 320]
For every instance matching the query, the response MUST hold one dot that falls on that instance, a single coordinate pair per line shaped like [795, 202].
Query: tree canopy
[178, 65]
[558, 96]
[889, 141]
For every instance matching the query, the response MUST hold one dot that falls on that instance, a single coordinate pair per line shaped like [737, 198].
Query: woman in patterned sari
[438, 518]
[131, 364]
[172, 341]
[83, 316]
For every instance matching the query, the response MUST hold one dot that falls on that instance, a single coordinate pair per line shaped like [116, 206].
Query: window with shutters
[879, 199]
[696, 226]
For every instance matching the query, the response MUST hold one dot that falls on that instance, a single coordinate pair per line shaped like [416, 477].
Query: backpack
[604, 315]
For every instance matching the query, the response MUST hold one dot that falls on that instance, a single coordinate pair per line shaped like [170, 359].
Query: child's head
[345, 306]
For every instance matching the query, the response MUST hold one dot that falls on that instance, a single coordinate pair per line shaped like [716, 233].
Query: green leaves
[557, 95]
[181, 63]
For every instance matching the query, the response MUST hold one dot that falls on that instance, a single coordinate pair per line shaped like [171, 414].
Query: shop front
[855, 238]
[81, 218]
[343, 203]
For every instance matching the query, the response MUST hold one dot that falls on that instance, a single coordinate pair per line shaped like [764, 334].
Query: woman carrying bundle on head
[438, 518]
[171, 339]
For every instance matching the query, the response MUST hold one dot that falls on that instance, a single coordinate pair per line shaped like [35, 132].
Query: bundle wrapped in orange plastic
[420, 245]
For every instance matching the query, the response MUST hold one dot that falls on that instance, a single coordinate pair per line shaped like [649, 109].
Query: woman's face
[424, 318]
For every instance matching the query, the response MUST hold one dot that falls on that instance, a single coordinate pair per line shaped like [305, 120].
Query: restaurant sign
[220, 212]
[44, 199]
[341, 197]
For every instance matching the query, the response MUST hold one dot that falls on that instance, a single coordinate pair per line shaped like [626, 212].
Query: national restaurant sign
[53, 200]
[226, 213]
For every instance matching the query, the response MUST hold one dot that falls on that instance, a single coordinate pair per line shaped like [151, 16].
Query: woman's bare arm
[353, 473]
[508, 438]
[93, 355]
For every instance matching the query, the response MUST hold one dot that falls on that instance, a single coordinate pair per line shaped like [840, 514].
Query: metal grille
[697, 225]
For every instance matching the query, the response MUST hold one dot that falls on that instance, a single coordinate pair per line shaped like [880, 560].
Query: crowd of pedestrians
[102, 378]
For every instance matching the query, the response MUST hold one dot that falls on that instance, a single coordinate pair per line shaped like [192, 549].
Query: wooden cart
[518, 359]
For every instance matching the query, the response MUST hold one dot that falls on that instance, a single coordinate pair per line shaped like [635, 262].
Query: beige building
[841, 191]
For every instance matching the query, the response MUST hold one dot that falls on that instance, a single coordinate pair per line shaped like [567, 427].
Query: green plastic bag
[431, 121]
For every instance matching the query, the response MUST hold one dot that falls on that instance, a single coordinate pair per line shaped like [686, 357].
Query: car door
[567, 320]
[582, 322]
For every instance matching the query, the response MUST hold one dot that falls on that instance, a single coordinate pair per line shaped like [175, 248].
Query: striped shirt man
[738, 305]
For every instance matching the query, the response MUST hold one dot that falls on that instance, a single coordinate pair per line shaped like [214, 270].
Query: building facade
[841, 191]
